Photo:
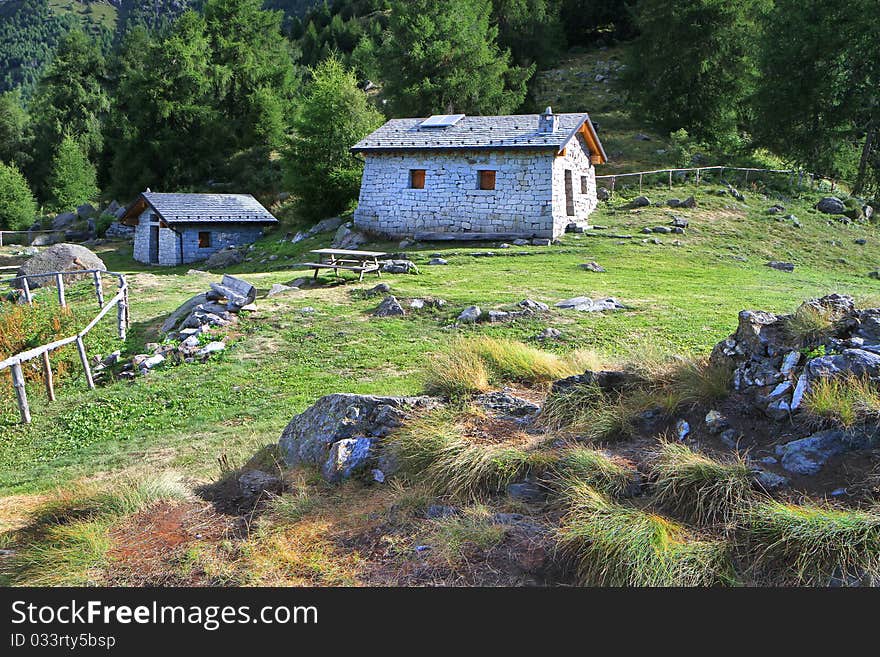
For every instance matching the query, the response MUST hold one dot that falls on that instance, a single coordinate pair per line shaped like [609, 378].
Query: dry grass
[812, 545]
[459, 537]
[616, 545]
[698, 488]
[846, 400]
[436, 451]
[808, 324]
[472, 365]
[608, 474]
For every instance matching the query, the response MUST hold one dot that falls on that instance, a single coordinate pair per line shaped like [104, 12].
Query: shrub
[583, 465]
[17, 205]
[72, 180]
[699, 488]
[616, 545]
[846, 400]
[812, 544]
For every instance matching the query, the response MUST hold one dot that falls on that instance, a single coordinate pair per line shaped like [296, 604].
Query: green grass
[584, 465]
[616, 545]
[458, 535]
[700, 489]
[812, 545]
[437, 452]
[846, 401]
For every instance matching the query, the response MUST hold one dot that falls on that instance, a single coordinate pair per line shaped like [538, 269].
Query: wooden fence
[123, 321]
[30, 234]
[699, 175]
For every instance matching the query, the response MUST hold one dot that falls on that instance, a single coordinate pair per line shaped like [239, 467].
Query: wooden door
[569, 194]
[154, 244]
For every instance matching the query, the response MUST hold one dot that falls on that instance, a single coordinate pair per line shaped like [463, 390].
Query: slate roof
[206, 208]
[474, 132]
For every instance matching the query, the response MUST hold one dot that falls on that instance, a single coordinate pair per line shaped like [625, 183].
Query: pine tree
[693, 65]
[17, 205]
[15, 141]
[322, 173]
[72, 179]
[444, 57]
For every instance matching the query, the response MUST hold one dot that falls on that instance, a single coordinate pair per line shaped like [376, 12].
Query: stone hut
[479, 177]
[175, 229]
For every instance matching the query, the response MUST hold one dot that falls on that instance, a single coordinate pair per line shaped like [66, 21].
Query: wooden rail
[29, 233]
[123, 322]
[698, 171]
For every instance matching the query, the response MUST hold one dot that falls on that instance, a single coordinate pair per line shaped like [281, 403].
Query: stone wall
[222, 236]
[527, 199]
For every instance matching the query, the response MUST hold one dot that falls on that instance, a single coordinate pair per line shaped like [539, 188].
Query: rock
[682, 429]
[689, 202]
[347, 237]
[46, 239]
[861, 241]
[536, 306]
[807, 456]
[679, 222]
[541, 241]
[715, 422]
[640, 136]
[59, 258]
[153, 361]
[437, 511]
[852, 361]
[831, 205]
[730, 437]
[64, 220]
[781, 266]
[400, 267]
[85, 211]
[417, 304]
[603, 194]
[346, 458]
[118, 231]
[175, 318]
[549, 334]
[586, 304]
[608, 381]
[527, 491]
[278, 288]
[769, 481]
[504, 403]
[310, 436]
[390, 307]
[874, 274]
[790, 361]
[470, 315]
[211, 348]
[520, 242]
[224, 258]
[673, 202]
[253, 483]
[498, 315]
[639, 202]
[325, 226]
[661, 229]
[736, 194]
[776, 209]
[381, 288]
[438, 261]
[307, 310]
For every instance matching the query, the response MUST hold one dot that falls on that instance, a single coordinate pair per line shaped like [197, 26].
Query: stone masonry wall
[451, 201]
[583, 173]
[142, 237]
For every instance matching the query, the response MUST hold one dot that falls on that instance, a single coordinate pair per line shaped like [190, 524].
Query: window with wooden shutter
[487, 179]
[204, 239]
[417, 178]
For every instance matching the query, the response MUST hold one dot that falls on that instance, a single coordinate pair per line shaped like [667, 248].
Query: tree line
[240, 97]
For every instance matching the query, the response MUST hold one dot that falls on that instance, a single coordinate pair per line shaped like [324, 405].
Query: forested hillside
[234, 95]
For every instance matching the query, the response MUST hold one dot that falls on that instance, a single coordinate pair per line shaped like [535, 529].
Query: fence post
[59, 281]
[122, 309]
[613, 182]
[21, 393]
[27, 291]
[670, 179]
[640, 183]
[47, 376]
[698, 177]
[83, 356]
[99, 289]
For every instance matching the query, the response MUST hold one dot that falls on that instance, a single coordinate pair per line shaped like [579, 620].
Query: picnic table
[360, 262]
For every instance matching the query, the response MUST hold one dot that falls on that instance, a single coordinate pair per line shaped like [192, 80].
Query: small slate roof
[476, 132]
[203, 208]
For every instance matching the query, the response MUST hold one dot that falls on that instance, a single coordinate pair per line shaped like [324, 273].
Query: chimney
[548, 122]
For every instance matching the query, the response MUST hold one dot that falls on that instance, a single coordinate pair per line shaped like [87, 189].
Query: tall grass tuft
[807, 324]
[457, 535]
[435, 450]
[812, 545]
[848, 400]
[700, 489]
[607, 474]
[591, 413]
[456, 373]
[616, 545]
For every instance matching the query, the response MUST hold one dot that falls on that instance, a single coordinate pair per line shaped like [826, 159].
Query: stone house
[174, 229]
[479, 177]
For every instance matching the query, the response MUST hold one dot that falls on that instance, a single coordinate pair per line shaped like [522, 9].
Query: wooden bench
[237, 292]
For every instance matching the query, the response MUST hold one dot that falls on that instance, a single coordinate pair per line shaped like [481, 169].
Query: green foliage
[530, 29]
[584, 465]
[321, 171]
[692, 65]
[17, 205]
[72, 179]
[587, 22]
[70, 99]
[444, 57]
[15, 141]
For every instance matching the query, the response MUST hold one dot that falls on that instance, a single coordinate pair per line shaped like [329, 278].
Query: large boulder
[356, 421]
[60, 258]
[224, 258]
[119, 231]
[807, 456]
[347, 237]
[63, 220]
[831, 205]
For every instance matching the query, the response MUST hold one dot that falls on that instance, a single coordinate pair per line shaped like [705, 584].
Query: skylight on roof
[441, 121]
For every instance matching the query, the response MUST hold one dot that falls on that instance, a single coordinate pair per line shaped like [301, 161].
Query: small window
[204, 240]
[585, 185]
[417, 178]
[487, 179]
